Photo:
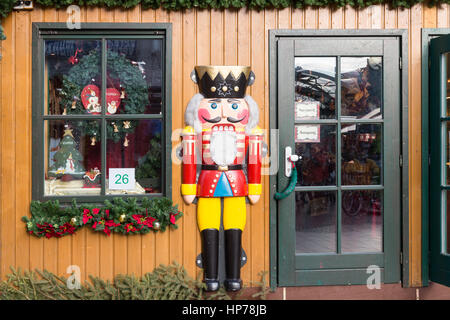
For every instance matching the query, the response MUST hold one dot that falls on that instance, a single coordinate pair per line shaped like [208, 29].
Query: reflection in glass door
[360, 228]
[342, 118]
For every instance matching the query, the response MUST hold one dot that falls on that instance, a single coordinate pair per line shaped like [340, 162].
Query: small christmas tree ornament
[125, 143]
[122, 217]
[64, 112]
[67, 160]
[115, 127]
[122, 93]
[156, 225]
[126, 124]
[73, 221]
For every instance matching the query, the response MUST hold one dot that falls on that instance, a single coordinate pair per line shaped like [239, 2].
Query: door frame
[402, 35]
[427, 35]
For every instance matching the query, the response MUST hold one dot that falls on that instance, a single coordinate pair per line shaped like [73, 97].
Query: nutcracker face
[223, 114]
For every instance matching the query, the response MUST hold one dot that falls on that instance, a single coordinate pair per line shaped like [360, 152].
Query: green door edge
[427, 35]
[402, 34]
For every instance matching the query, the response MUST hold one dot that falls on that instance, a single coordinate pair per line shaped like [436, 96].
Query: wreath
[122, 75]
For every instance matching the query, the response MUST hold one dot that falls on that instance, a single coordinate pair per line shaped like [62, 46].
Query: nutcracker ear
[194, 76]
[251, 78]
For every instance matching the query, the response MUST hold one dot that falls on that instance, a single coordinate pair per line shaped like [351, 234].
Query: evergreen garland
[120, 69]
[50, 219]
[170, 282]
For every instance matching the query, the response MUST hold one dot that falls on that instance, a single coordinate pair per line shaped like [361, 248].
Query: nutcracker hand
[189, 198]
[253, 198]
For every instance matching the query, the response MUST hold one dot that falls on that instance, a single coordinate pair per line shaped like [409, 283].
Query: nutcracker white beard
[223, 147]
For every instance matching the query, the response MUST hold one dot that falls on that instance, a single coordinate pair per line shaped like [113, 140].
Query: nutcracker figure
[222, 136]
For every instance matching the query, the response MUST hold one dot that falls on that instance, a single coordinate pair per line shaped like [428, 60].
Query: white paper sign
[307, 133]
[121, 179]
[307, 110]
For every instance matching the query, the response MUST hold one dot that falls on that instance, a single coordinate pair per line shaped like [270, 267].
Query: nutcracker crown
[223, 81]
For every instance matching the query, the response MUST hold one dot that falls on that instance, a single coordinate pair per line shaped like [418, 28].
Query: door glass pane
[315, 221]
[73, 79]
[362, 160]
[315, 88]
[139, 151]
[317, 146]
[446, 151]
[72, 158]
[361, 80]
[134, 77]
[447, 85]
[362, 221]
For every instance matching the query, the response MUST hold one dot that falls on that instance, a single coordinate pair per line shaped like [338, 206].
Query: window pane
[138, 151]
[362, 161]
[315, 225]
[72, 76]
[315, 88]
[446, 128]
[72, 158]
[447, 91]
[134, 83]
[362, 221]
[361, 80]
[446, 222]
[317, 146]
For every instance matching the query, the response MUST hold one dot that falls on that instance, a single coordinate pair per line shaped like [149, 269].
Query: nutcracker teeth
[221, 128]
[215, 129]
[225, 128]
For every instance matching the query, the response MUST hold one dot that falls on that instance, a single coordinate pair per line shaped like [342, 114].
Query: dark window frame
[104, 32]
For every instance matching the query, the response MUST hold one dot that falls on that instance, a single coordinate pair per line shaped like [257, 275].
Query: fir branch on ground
[170, 282]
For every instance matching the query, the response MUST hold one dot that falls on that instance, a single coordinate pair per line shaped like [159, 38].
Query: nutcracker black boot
[233, 249]
[210, 258]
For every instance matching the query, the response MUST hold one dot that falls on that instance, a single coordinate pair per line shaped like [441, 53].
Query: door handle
[289, 159]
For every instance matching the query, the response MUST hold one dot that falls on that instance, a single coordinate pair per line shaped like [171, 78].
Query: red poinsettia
[67, 228]
[107, 213]
[95, 210]
[86, 216]
[130, 228]
[172, 218]
[149, 222]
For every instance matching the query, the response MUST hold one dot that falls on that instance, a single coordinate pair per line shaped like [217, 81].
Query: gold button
[224, 89]
[236, 88]
[213, 89]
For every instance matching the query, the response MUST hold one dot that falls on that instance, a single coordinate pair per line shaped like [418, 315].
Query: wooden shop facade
[360, 94]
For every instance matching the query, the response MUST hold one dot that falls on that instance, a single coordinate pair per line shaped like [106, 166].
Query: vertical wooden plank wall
[199, 37]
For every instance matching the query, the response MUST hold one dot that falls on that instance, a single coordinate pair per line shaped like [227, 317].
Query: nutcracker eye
[234, 106]
[213, 105]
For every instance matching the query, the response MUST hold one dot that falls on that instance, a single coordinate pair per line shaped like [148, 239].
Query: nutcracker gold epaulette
[257, 131]
[188, 130]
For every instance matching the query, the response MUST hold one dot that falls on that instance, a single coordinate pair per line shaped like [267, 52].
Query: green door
[338, 103]
[440, 160]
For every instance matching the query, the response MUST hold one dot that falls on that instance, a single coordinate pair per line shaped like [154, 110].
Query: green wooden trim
[338, 156]
[336, 261]
[333, 277]
[274, 143]
[286, 218]
[439, 261]
[427, 34]
[391, 154]
[43, 31]
[402, 44]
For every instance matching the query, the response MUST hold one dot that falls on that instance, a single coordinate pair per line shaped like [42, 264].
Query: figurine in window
[222, 131]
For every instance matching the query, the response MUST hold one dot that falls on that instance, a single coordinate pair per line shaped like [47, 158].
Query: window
[101, 111]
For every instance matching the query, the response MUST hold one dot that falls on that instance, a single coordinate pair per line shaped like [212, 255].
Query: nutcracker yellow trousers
[234, 213]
